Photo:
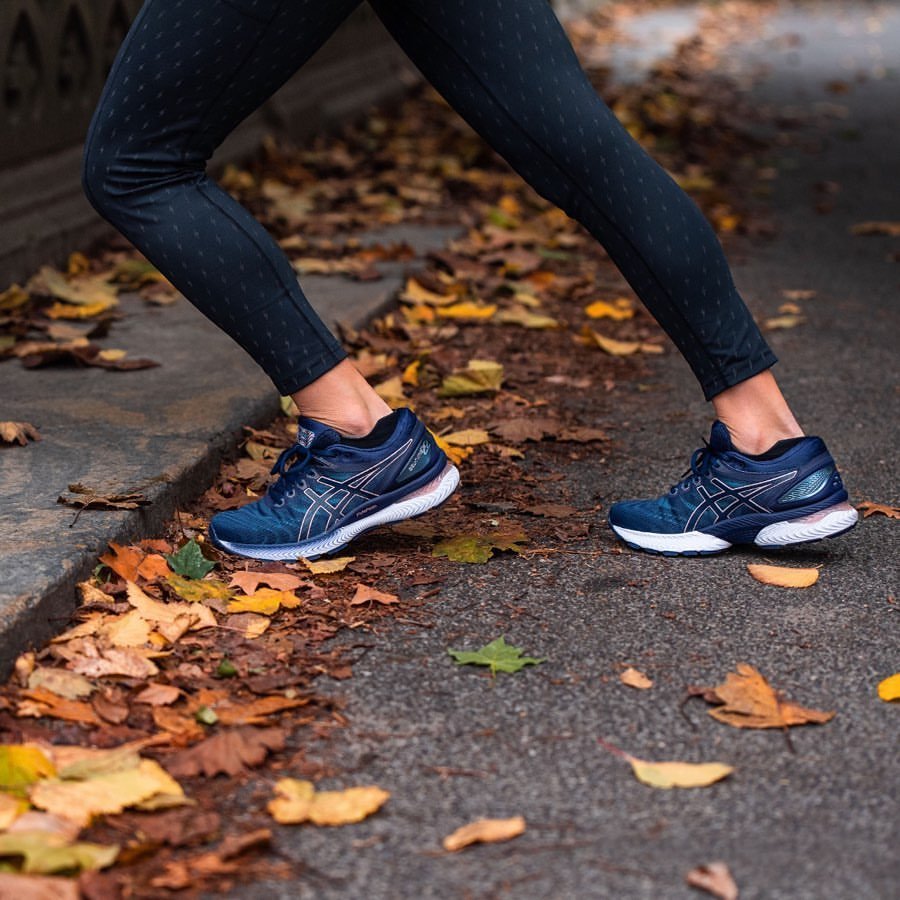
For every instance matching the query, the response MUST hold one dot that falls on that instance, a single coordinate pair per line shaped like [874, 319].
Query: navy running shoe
[332, 488]
[791, 494]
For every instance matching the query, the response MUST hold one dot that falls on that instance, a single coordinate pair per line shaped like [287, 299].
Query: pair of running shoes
[332, 488]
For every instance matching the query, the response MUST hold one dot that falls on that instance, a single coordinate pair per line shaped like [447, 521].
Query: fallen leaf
[365, 594]
[81, 801]
[298, 801]
[479, 548]
[455, 454]
[484, 831]
[327, 566]
[43, 853]
[62, 682]
[248, 582]
[889, 689]
[551, 510]
[189, 561]
[519, 315]
[467, 310]
[526, 428]
[892, 229]
[790, 294]
[871, 509]
[468, 437]
[479, 376]
[98, 662]
[615, 347]
[636, 679]
[715, 879]
[264, 601]
[749, 701]
[251, 625]
[124, 561]
[22, 765]
[18, 433]
[678, 774]
[256, 712]
[229, 751]
[618, 310]
[158, 694]
[497, 655]
[154, 566]
[196, 590]
[783, 576]
[10, 810]
[42, 702]
[788, 320]
[163, 615]
[414, 292]
[37, 887]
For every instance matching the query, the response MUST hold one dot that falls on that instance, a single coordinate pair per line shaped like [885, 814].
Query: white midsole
[432, 494]
[797, 531]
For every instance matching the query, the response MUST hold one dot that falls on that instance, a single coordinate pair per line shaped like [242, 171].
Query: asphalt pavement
[815, 820]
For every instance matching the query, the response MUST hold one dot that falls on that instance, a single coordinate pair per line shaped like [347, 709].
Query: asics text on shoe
[792, 494]
[331, 489]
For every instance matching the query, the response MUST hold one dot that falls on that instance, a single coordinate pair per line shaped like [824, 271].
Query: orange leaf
[783, 576]
[484, 831]
[124, 561]
[636, 679]
[871, 509]
[42, 702]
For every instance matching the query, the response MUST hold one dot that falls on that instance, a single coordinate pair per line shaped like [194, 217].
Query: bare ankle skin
[343, 400]
[756, 414]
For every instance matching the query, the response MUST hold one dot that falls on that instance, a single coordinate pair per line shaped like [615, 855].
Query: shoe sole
[427, 497]
[824, 524]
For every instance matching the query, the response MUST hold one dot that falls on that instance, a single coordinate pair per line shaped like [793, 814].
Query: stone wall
[54, 58]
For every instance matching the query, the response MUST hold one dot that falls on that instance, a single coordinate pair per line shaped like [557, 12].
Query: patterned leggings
[190, 70]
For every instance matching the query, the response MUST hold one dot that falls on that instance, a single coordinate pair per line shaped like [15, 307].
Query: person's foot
[331, 489]
[791, 494]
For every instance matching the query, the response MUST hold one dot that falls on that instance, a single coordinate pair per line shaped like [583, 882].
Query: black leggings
[190, 70]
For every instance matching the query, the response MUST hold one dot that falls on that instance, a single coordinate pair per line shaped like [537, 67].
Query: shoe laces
[701, 463]
[292, 468]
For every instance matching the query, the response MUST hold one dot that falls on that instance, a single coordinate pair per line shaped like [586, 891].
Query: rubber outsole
[427, 497]
[827, 523]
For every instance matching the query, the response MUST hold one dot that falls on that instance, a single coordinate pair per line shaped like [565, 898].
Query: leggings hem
[298, 380]
[714, 386]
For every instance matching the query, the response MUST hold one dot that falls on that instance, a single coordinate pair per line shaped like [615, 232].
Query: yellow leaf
[160, 614]
[10, 810]
[636, 679]
[414, 292]
[484, 831]
[391, 391]
[62, 682]
[467, 310]
[789, 320]
[619, 309]
[22, 765]
[783, 576]
[264, 601]
[518, 315]
[13, 297]
[468, 437]
[615, 347]
[128, 630]
[81, 801]
[480, 376]
[112, 355]
[78, 311]
[678, 774]
[195, 590]
[455, 454]
[327, 566]
[411, 373]
[298, 801]
[44, 853]
[889, 689]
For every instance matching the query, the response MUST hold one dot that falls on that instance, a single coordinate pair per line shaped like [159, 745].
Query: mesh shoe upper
[731, 496]
[326, 480]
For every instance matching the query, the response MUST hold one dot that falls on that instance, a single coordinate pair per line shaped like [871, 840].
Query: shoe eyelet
[279, 503]
[291, 493]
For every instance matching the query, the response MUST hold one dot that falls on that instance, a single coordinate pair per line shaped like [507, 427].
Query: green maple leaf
[189, 561]
[479, 548]
[500, 656]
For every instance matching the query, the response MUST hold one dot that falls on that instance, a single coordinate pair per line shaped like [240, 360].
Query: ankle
[755, 438]
[351, 423]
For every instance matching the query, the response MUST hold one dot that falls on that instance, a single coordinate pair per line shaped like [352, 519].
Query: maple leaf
[189, 561]
[871, 509]
[265, 601]
[497, 655]
[124, 561]
[484, 831]
[229, 751]
[479, 548]
[18, 433]
[248, 582]
[365, 593]
[747, 700]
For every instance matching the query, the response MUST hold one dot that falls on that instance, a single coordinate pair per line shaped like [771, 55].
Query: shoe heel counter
[424, 456]
[822, 482]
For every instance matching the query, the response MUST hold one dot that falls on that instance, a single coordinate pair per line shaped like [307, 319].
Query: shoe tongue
[315, 435]
[719, 438]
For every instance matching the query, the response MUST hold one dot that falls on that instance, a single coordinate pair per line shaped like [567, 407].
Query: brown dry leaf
[615, 347]
[90, 594]
[42, 702]
[749, 701]
[96, 662]
[124, 561]
[581, 434]
[365, 594]
[62, 682]
[158, 694]
[484, 831]
[892, 229]
[783, 576]
[256, 712]
[298, 801]
[327, 566]
[248, 582]
[636, 679]
[18, 433]
[715, 879]
[872, 509]
[526, 428]
[551, 510]
[790, 294]
[82, 497]
[81, 801]
[251, 625]
[229, 751]
[183, 728]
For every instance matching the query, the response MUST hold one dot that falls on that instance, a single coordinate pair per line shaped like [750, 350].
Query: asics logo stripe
[727, 498]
